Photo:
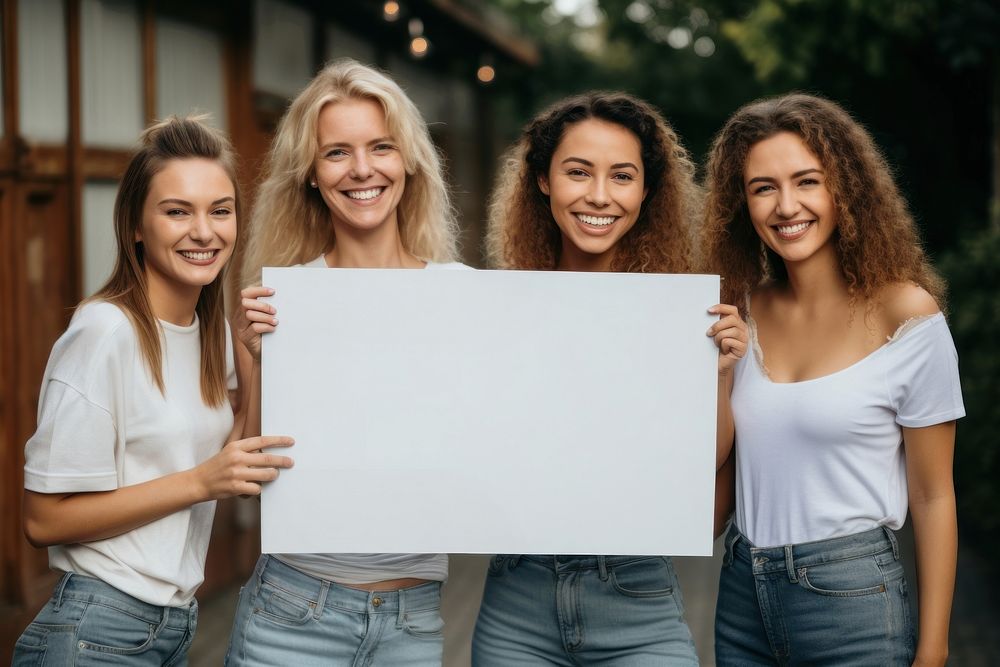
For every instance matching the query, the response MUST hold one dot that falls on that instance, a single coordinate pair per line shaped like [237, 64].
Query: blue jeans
[624, 611]
[839, 602]
[89, 622]
[287, 617]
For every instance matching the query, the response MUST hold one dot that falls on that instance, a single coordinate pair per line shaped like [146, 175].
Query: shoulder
[449, 266]
[98, 333]
[899, 303]
[99, 321]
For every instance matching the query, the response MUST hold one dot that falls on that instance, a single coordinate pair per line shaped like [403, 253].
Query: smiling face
[188, 229]
[595, 186]
[358, 168]
[789, 203]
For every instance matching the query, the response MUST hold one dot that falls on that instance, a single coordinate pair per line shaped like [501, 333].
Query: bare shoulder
[900, 302]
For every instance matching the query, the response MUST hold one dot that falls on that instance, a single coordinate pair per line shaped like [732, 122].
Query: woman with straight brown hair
[121, 476]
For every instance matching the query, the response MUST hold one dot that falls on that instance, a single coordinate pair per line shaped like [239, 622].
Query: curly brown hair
[521, 232]
[876, 239]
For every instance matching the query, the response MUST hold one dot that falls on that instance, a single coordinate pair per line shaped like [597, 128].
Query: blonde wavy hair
[291, 223]
[521, 232]
[171, 139]
[876, 239]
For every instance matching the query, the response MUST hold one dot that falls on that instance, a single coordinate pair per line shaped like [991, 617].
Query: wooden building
[81, 78]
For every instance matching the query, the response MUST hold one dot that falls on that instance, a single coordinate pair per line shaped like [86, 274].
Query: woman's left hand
[730, 334]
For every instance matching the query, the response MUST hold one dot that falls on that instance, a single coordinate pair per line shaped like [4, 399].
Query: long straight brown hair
[170, 139]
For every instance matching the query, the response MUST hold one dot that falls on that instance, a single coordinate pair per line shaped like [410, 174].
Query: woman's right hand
[241, 468]
[254, 317]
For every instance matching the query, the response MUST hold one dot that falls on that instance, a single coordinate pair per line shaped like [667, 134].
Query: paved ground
[975, 633]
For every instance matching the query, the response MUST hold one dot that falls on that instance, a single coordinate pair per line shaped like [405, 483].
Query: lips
[365, 195]
[200, 257]
[789, 231]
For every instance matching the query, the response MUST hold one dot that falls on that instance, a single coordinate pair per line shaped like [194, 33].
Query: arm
[251, 320]
[66, 518]
[929, 454]
[725, 493]
[730, 335]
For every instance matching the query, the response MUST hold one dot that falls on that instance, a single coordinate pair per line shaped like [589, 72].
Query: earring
[312, 183]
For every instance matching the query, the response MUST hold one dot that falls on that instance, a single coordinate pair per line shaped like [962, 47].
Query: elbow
[34, 531]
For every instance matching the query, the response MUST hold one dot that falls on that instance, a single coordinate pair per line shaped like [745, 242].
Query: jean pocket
[105, 629]
[856, 577]
[282, 606]
[646, 578]
[424, 623]
[34, 644]
[497, 565]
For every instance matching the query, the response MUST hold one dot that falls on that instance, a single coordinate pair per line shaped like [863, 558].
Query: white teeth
[788, 230]
[602, 221]
[201, 256]
[364, 194]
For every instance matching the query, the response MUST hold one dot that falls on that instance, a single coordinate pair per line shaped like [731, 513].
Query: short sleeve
[73, 449]
[923, 378]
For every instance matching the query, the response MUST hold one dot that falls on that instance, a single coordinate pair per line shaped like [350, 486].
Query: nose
[201, 228]
[361, 168]
[788, 203]
[597, 194]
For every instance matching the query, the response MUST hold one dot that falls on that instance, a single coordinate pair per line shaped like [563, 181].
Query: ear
[543, 184]
[138, 236]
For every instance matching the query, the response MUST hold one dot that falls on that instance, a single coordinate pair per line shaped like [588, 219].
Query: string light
[390, 10]
[486, 73]
[419, 47]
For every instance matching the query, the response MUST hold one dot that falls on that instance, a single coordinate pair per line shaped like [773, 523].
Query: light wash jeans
[624, 611]
[287, 617]
[840, 602]
[89, 622]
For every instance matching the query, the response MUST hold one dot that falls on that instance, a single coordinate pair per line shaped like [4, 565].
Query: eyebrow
[184, 202]
[344, 144]
[588, 163]
[768, 179]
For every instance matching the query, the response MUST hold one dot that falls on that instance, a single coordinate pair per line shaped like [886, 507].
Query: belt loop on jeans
[602, 568]
[892, 540]
[401, 610]
[790, 564]
[57, 595]
[732, 537]
[324, 590]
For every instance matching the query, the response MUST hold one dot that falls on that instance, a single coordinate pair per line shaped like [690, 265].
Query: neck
[572, 258]
[817, 279]
[172, 303]
[379, 248]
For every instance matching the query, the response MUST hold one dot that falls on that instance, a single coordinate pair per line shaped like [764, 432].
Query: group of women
[837, 381]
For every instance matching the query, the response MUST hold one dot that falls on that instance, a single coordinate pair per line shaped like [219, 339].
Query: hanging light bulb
[419, 46]
[391, 10]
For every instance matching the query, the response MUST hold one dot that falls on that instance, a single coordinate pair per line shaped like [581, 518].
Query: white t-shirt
[823, 458]
[369, 568]
[103, 424]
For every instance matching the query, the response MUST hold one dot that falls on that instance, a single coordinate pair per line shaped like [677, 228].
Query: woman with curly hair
[845, 413]
[597, 182]
[352, 180]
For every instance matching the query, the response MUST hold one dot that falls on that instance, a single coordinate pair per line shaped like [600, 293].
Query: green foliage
[973, 273]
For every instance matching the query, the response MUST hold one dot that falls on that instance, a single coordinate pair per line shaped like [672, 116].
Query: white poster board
[491, 412]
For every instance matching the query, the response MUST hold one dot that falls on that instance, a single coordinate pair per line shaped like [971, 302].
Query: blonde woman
[121, 476]
[352, 181]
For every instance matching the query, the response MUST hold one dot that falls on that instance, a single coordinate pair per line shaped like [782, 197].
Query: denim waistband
[81, 588]
[806, 554]
[325, 593]
[570, 563]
